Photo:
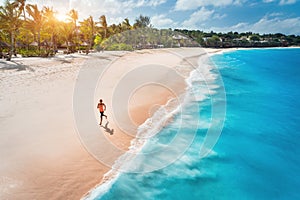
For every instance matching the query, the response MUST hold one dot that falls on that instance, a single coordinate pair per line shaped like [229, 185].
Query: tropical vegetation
[29, 30]
[235, 39]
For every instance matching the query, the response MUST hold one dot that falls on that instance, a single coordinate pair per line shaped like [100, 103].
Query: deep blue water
[257, 155]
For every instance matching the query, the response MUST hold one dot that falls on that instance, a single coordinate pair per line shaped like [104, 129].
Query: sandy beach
[42, 156]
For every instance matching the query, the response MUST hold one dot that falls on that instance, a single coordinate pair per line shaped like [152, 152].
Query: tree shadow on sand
[14, 66]
[107, 129]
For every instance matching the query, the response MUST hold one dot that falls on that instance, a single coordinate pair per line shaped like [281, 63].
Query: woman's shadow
[107, 129]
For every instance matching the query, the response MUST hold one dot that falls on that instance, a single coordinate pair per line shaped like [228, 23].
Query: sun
[61, 17]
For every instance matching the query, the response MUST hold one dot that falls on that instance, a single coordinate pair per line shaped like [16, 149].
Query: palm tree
[126, 25]
[50, 22]
[73, 14]
[88, 30]
[36, 22]
[104, 26]
[142, 22]
[66, 32]
[114, 29]
[10, 22]
[22, 4]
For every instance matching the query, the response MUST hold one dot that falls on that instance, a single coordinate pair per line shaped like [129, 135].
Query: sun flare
[61, 17]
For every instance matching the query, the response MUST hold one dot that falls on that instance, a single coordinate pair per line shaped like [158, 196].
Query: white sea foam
[125, 163]
[188, 167]
[101, 189]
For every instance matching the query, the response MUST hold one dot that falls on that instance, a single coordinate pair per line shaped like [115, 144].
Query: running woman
[102, 107]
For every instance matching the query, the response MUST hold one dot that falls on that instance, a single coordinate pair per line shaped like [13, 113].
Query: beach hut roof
[69, 44]
[85, 44]
[46, 43]
[34, 44]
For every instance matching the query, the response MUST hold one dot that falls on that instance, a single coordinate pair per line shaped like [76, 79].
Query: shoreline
[42, 152]
[111, 176]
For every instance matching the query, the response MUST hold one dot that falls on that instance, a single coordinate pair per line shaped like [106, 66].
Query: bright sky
[262, 16]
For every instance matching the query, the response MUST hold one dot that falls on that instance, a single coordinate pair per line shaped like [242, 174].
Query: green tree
[35, 23]
[97, 40]
[73, 14]
[255, 37]
[141, 22]
[87, 28]
[114, 29]
[66, 32]
[126, 25]
[104, 27]
[21, 5]
[10, 22]
[50, 24]
[214, 41]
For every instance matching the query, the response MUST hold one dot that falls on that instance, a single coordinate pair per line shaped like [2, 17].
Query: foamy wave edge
[145, 131]
[161, 117]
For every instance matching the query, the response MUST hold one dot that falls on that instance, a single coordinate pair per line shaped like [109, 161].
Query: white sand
[40, 151]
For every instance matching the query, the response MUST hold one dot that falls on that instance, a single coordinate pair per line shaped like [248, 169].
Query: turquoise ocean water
[257, 155]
